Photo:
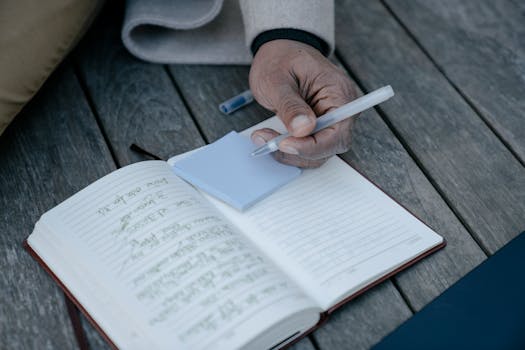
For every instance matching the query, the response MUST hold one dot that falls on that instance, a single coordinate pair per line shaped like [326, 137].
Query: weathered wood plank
[136, 101]
[375, 152]
[93, 337]
[205, 87]
[303, 344]
[53, 149]
[481, 180]
[364, 321]
[479, 47]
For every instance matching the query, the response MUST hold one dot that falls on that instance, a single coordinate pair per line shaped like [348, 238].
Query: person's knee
[35, 36]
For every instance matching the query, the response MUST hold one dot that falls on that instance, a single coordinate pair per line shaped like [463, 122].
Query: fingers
[335, 93]
[297, 161]
[295, 113]
[310, 151]
[260, 137]
[276, 87]
[299, 84]
[325, 143]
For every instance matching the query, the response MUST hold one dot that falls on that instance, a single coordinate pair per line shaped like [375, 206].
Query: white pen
[339, 114]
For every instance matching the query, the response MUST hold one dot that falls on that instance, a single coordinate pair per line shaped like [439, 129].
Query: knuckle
[344, 141]
[349, 89]
[299, 161]
[339, 139]
[308, 148]
[286, 158]
[346, 90]
[343, 88]
[291, 107]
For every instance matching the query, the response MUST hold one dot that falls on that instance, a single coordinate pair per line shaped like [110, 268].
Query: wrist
[297, 35]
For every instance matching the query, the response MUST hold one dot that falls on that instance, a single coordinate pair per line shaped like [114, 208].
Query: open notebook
[154, 263]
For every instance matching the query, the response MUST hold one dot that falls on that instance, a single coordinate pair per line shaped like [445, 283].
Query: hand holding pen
[349, 110]
[298, 83]
[299, 86]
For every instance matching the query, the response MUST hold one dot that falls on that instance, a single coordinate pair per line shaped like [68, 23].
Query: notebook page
[155, 248]
[333, 231]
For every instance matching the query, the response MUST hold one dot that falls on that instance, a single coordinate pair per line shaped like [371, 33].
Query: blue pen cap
[236, 102]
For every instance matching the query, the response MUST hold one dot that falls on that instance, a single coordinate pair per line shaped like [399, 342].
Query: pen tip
[260, 151]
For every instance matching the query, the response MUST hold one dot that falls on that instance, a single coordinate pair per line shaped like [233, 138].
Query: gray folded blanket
[182, 31]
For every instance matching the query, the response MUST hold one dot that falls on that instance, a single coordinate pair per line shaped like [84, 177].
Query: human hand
[295, 81]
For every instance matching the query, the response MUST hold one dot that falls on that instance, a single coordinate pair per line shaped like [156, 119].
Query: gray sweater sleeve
[312, 16]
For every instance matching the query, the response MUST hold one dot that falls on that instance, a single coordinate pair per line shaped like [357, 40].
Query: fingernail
[300, 122]
[288, 149]
[258, 140]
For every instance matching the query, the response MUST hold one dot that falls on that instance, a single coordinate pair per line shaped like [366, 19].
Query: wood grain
[53, 149]
[135, 101]
[205, 87]
[303, 345]
[479, 47]
[364, 321]
[480, 179]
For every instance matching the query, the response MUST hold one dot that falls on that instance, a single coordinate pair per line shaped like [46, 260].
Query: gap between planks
[186, 104]
[440, 69]
[91, 104]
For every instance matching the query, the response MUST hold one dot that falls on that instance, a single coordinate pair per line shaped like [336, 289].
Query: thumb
[295, 113]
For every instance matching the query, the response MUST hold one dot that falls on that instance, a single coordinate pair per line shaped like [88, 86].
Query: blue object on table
[236, 102]
[225, 170]
[483, 310]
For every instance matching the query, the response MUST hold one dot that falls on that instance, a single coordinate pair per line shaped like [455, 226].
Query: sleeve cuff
[290, 34]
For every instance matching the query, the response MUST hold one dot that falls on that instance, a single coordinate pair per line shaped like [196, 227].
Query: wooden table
[450, 146]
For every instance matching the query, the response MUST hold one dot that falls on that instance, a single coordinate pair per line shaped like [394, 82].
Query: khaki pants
[35, 35]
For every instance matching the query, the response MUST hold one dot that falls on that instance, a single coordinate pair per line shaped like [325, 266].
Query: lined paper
[161, 247]
[333, 231]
